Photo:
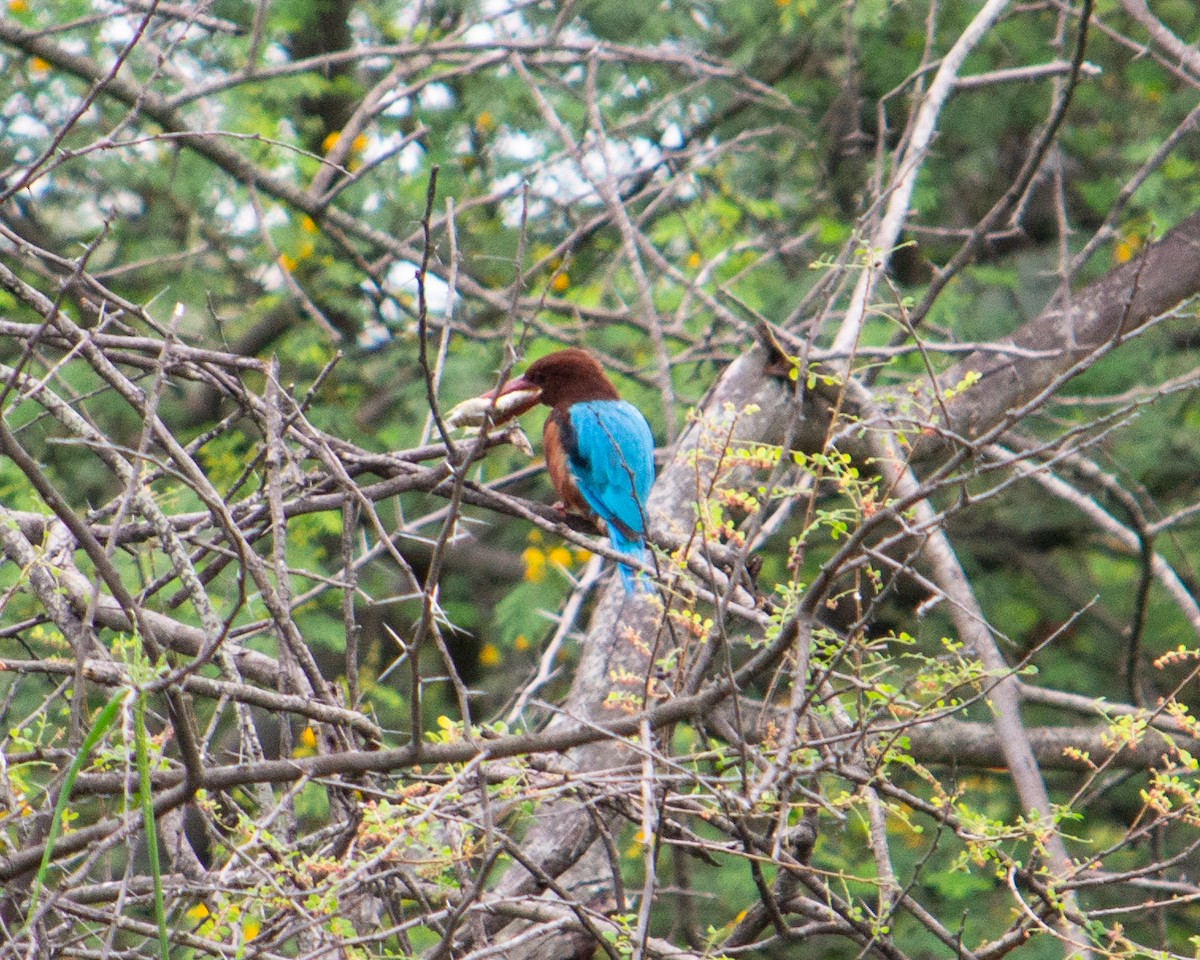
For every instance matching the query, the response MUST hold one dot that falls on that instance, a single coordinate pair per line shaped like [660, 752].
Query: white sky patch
[672, 137]
[150, 151]
[122, 203]
[519, 146]
[23, 125]
[562, 181]
[402, 279]
[409, 159]
[373, 335]
[400, 107]
[117, 30]
[244, 221]
[271, 278]
[378, 146]
[510, 210]
[511, 23]
[436, 96]
[481, 33]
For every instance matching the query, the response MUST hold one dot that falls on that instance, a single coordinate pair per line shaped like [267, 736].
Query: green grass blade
[147, 799]
[104, 720]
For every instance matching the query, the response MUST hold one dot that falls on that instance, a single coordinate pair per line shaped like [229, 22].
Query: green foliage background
[744, 135]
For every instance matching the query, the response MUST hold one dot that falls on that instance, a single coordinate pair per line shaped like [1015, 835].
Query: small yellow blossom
[560, 556]
[521, 643]
[38, 65]
[17, 6]
[560, 282]
[582, 555]
[693, 260]
[485, 122]
[489, 656]
[197, 913]
[250, 927]
[309, 225]
[357, 146]
[288, 263]
[535, 536]
[1125, 249]
[306, 746]
[535, 564]
[635, 848]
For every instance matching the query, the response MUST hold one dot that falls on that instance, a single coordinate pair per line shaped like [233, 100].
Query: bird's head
[565, 377]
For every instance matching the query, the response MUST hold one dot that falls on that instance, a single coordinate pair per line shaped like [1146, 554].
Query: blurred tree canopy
[908, 294]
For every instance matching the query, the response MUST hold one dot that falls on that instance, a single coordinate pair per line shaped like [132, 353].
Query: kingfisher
[598, 447]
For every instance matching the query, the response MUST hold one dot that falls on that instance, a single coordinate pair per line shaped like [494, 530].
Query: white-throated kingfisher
[598, 448]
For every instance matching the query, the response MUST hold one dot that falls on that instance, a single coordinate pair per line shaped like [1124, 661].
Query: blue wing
[610, 453]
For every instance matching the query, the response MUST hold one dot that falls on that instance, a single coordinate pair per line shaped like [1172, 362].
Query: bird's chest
[562, 460]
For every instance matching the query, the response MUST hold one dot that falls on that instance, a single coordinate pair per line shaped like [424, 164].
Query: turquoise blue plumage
[610, 454]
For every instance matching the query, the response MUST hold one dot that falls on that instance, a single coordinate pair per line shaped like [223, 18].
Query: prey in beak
[510, 401]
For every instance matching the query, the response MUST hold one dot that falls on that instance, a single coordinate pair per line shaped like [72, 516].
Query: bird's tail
[635, 549]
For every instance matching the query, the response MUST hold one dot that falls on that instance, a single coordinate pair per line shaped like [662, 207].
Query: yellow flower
[1125, 249]
[582, 555]
[560, 556]
[307, 743]
[521, 643]
[197, 913]
[309, 225]
[288, 263]
[331, 139]
[635, 848]
[38, 65]
[17, 6]
[535, 535]
[489, 656]
[249, 929]
[485, 122]
[560, 282]
[535, 564]
[693, 261]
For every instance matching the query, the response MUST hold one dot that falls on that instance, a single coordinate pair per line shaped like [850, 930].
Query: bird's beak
[515, 398]
[511, 400]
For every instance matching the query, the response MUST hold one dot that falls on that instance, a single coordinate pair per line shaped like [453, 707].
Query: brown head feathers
[567, 377]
